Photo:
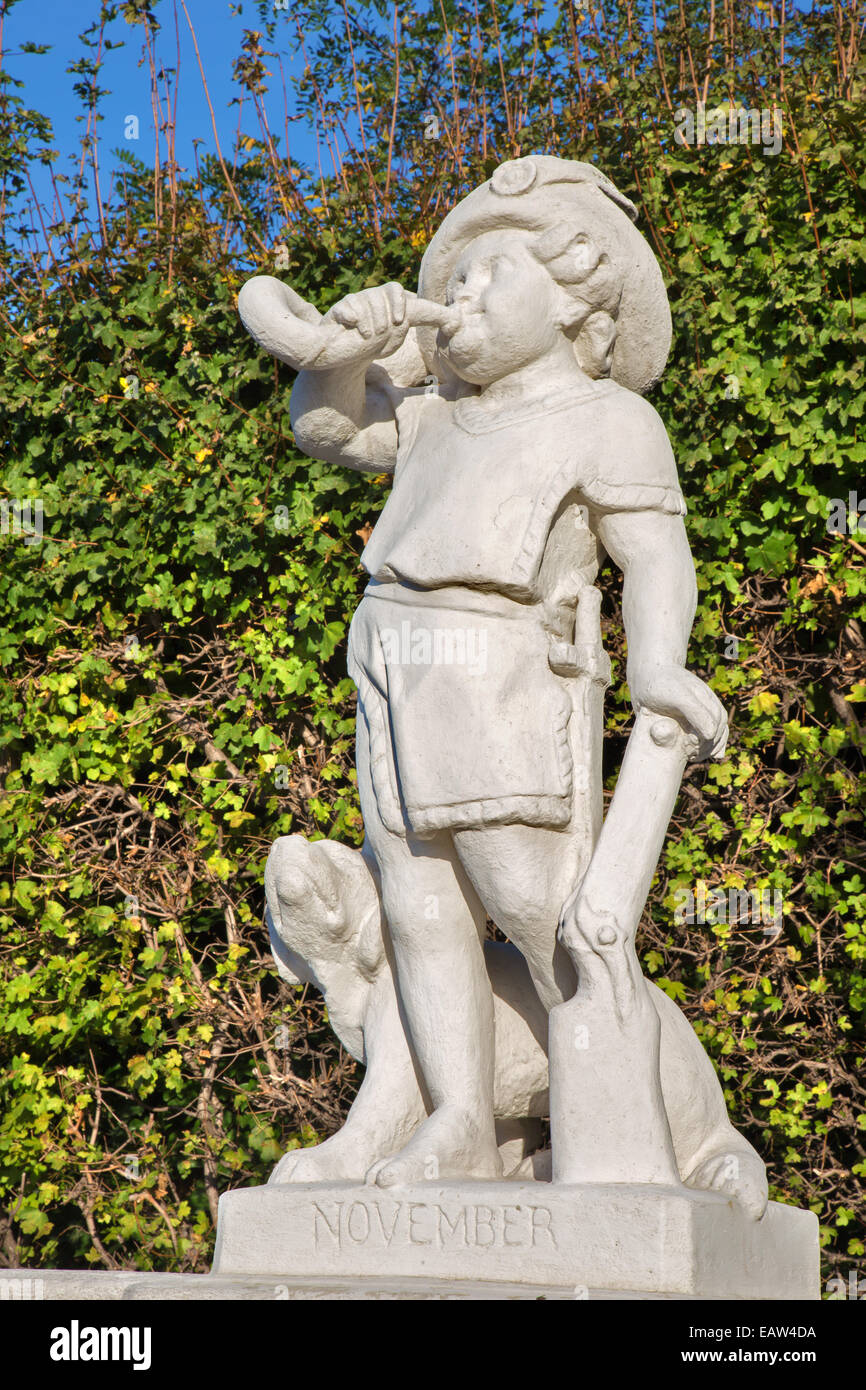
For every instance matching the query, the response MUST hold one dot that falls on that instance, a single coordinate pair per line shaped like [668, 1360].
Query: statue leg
[522, 875]
[525, 902]
[436, 928]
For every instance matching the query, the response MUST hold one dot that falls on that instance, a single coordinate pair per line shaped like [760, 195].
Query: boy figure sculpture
[540, 318]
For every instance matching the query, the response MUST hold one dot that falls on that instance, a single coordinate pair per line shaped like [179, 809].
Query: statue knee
[409, 914]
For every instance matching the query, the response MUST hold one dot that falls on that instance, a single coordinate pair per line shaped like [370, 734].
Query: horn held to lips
[289, 328]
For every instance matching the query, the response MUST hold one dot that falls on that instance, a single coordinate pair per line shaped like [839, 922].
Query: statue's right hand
[360, 328]
[379, 314]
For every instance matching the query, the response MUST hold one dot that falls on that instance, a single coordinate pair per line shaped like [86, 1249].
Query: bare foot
[736, 1170]
[447, 1145]
[328, 1162]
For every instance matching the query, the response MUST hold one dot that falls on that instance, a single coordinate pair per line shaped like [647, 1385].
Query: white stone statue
[326, 927]
[506, 401]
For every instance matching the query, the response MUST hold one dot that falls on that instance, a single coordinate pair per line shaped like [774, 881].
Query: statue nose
[465, 302]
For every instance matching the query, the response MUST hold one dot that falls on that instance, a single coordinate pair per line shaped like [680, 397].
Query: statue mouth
[463, 333]
[460, 317]
[451, 321]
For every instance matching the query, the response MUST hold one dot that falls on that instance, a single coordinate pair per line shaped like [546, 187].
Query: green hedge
[174, 692]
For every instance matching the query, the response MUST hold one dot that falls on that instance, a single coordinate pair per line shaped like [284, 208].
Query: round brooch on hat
[515, 176]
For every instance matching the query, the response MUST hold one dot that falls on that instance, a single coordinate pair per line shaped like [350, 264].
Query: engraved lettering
[387, 1233]
[519, 1223]
[541, 1217]
[320, 1220]
[483, 1224]
[448, 1229]
[359, 1234]
[417, 1224]
[337, 1225]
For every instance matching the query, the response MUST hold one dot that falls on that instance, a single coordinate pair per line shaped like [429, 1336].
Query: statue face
[511, 309]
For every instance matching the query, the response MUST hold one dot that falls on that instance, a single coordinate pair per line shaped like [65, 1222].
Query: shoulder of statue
[634, 465]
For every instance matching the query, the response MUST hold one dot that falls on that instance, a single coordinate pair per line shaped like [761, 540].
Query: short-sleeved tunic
[455, 628]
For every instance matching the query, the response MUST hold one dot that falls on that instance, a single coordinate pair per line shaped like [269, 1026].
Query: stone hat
[535, 194]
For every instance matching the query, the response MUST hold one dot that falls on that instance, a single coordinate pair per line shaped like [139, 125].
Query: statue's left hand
[674, 691]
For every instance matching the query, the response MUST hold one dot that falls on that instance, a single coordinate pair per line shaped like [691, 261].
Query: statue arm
[659, 599]
[659, 594]
[658, 605]
[350, 363]
[341, 417]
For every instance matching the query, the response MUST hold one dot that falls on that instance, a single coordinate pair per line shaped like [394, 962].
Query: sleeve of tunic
[636, 469]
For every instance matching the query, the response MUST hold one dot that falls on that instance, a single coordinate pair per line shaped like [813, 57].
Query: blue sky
[219, 28]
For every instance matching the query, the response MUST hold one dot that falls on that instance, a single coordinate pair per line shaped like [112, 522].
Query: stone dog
[325, 923]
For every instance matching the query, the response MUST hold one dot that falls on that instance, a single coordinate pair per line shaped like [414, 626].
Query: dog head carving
[323, 911]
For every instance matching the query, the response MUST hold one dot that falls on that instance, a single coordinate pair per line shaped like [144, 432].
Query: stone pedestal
[591, 1240]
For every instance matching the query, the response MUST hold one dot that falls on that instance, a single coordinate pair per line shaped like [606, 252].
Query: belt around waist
[454, 596]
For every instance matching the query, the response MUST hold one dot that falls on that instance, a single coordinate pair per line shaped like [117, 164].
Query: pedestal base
[644, 1241]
